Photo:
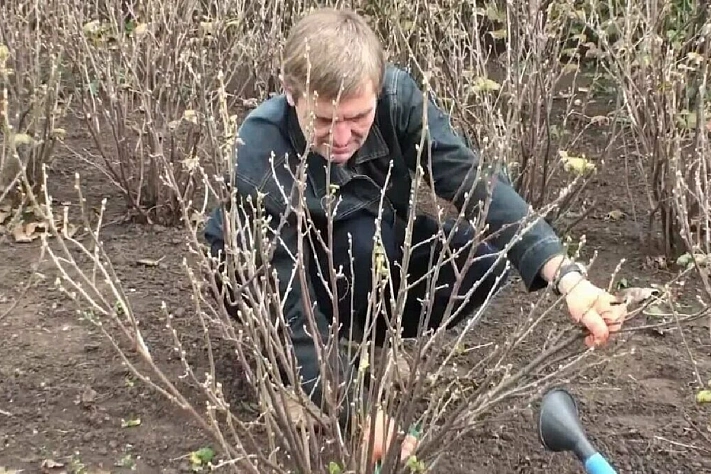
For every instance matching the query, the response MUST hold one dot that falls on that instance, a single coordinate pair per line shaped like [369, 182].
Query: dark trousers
[354, 236]
[353, 293]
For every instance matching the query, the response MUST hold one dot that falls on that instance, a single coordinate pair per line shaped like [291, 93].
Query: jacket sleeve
[453, 173]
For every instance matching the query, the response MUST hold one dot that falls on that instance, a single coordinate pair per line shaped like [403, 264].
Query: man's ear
[287, 92]
[289, 97]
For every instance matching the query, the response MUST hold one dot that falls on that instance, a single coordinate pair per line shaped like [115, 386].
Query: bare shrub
[146, 79]
[31, 108]
[160, 87]
[657, 54]
[527, 61]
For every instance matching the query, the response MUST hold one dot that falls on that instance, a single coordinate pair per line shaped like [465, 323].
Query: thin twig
[682, 445]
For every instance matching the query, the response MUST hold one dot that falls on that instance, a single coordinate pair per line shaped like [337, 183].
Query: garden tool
[559, 429]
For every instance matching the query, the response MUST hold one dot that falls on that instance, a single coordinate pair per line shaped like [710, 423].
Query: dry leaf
[703, 396]
[141, 29]
[21, 139]
[33, 228]
[21, 236]
[634, 295]
[207, 27]
[51, 464]
[655, 311]
[69, 230]
[190, 116]
[599, 120]
[4, 470]
[655, 262]
[483, 84]
[131, 423]
[577, 164]
[150, 263]
[615, 215]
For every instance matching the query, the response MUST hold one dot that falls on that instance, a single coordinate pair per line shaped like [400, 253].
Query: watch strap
[566, 268]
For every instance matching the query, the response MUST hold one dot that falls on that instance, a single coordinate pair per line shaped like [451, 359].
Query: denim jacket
[271, 132]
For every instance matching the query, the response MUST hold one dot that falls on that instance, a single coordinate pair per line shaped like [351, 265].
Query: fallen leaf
[483, 84]
[655, 311]
[33, 228]
[21, 236]
[703, 396]
[91, 27]
[4, 470]
[655, 262]
[140, 29]
[207, 27]
[615, 215]
[599, 120]
[130, 423]
[150, 263]
[51, 464]
[634, 295]
[577, 164]
[191, 116]
[21, 139]
[684, 259]
[69, 230]
[687, 259]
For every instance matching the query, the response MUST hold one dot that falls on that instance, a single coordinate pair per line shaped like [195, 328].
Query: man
[378, 121]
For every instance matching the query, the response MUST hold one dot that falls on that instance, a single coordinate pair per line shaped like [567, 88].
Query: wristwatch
[566, 268]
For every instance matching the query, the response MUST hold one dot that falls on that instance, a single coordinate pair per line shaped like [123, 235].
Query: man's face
[339, 130]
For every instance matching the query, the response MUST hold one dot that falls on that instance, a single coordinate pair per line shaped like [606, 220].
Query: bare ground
[65, 394]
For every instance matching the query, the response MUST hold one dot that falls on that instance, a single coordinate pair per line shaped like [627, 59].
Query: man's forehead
[345, 109]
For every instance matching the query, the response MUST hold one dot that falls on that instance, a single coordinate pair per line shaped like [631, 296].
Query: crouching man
[377, 122]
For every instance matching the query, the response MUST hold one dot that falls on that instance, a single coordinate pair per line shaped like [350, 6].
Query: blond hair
[333, 49]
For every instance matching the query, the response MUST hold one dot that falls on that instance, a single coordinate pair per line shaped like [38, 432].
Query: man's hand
[382, 437]
[599, 311]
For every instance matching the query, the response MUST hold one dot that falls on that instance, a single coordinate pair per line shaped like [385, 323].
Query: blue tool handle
[596, 464]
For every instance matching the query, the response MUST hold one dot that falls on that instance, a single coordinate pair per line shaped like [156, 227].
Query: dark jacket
[272, 130]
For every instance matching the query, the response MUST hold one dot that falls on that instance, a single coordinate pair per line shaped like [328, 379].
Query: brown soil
[64, 392]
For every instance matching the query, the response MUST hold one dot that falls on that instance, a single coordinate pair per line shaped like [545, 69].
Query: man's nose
[341, 133]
